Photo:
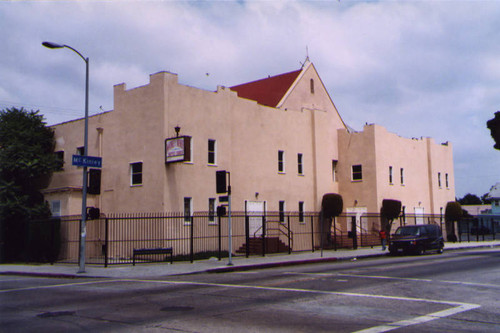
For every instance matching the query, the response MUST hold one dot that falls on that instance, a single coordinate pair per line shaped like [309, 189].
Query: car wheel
[420, 251]
[393, 252]
[440, 250]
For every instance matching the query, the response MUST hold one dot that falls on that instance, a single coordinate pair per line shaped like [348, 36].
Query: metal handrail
[280, 224]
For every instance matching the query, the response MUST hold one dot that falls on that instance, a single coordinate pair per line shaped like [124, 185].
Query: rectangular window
[439, 179]
[300, 169]
[446, 180]
[60, 160]
[357, 173]
[282, 211]
[281, 161]
[390, 175]
[301, 211]
[212, 152]
[211, 210]
[334, 170]
[80, 151]
[188, 209]
[55, 207]
[136, 174]
[402, 176]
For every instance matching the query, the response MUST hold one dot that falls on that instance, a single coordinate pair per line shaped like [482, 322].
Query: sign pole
[230, 231]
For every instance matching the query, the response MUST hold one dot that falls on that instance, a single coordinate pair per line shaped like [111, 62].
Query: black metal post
[191, 245]
[312, 233]
[263, 235]
[289, 240]
[106, 241]
[247, 235]
[468, 230]
[477, 230]
[493, 229]
[321, 223]
[220, 238]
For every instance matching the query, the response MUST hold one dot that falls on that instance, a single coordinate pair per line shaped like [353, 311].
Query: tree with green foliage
[485, 199]
[27, 161]
[470, 199]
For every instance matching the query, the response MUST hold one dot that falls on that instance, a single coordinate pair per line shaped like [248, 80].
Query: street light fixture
[83, 228]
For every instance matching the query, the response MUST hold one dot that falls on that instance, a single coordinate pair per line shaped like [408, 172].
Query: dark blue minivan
[416, 239]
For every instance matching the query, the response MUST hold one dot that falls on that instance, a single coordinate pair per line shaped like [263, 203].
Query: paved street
[454, 292]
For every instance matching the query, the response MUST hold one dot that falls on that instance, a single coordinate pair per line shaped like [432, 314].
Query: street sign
[87, 161]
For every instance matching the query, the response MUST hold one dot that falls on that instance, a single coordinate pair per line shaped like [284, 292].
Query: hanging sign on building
[178, 149]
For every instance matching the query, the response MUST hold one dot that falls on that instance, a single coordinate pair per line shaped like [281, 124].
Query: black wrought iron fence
[112, 240]
[479, 228]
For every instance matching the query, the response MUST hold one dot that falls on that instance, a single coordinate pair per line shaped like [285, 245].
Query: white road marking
[419, 320]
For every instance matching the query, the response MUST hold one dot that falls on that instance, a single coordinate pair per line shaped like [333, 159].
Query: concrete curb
[289, 263]
[241, 266]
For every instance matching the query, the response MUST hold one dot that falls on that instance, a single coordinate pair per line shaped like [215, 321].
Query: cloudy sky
[418, 68]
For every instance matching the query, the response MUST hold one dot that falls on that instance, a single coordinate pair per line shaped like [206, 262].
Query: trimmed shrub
[391, 209]
[332, 205]
[453, 211]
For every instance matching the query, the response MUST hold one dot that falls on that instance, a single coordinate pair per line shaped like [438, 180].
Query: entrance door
[255, 210]
[360, 223]
[419, 215]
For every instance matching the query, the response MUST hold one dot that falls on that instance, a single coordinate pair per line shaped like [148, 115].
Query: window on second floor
[281, 161]
[447, 181]
[212, 152]
[300, 167]
[80, 151]
[136, 173]
[390, 175]
[60, 160]
[439, 179]
[334, 170]
[357, 172]
[402, 175]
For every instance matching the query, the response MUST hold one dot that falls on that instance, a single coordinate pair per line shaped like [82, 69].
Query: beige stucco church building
[281, 138]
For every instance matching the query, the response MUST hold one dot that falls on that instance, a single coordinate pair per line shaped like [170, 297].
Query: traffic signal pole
[229, 226]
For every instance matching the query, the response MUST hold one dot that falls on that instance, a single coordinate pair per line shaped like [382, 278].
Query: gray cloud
[419, 68]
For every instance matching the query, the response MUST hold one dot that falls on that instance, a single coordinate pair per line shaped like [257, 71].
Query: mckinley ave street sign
[87, 161]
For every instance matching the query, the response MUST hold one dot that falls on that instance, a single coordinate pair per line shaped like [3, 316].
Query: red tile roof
[267, 91]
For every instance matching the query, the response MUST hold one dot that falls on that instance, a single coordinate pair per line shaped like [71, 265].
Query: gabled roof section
[267, 91]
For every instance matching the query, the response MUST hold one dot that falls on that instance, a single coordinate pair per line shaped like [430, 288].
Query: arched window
[312, 86]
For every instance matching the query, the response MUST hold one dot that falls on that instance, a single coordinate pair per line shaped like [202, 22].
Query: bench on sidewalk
[159, 250]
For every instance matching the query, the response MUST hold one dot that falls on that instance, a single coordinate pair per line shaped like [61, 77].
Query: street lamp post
[83, 228]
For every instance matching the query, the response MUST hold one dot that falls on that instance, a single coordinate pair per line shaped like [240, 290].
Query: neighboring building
[281, 138]
[475, 210]
[494, 196]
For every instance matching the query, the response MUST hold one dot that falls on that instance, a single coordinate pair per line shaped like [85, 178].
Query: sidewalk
[155, 270]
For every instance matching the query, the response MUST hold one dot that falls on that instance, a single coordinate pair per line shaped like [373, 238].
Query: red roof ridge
[268, 91]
